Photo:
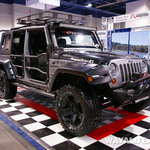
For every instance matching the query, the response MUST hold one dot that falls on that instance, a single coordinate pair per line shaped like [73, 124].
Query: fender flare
[8, 68]
[83, 72]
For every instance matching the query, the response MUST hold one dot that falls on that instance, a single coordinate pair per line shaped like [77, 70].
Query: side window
[18, 42]
[6, 42]
[37, 42]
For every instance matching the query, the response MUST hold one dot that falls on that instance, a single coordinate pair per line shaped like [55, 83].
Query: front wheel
[7, 90]
[137, 107]
[78, 111]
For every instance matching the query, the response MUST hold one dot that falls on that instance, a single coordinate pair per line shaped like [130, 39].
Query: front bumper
[129, 93]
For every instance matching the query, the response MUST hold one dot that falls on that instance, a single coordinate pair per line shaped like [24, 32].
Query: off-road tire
[137, 107]
[7, 90]
[79, 112]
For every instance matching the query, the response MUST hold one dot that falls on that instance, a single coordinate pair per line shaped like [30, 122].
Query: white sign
[110, 23]
[131, 17]
[43, 4]
[104, 23]
[102, 33]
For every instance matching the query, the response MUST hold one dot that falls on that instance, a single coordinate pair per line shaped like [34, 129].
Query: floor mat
[132, 128]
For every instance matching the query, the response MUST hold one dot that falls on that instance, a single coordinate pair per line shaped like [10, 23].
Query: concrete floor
[11, 140]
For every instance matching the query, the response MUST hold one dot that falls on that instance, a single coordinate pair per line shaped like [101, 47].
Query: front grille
[128, 69]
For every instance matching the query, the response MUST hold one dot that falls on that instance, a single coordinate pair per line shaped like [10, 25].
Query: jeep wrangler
[67, 62]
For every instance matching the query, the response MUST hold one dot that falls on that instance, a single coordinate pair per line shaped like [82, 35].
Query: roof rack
[3, 30]
[52, 16]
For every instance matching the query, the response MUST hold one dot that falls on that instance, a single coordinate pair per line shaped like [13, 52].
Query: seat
[61, 42]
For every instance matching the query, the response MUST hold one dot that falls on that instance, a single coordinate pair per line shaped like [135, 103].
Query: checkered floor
[49, 133]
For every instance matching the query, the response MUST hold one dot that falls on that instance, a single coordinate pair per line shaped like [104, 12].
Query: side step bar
[35, 90]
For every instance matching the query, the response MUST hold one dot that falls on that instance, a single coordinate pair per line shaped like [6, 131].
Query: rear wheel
[137, 107]
[7, 90]
[78, 111]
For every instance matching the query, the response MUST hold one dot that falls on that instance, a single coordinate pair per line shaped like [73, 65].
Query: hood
[98, 57]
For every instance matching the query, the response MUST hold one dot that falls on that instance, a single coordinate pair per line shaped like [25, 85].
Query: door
[17, 52]
[36, 57]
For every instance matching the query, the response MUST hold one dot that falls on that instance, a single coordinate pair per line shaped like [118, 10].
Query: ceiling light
[89, 5]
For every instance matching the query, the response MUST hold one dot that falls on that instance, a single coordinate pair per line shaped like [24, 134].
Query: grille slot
[122, 73]
[135, 69]
[140, 67]
[126, 72]
[132, 68]
[128, 69]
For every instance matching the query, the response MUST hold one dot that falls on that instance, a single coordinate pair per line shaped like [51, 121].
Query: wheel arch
[67, 78]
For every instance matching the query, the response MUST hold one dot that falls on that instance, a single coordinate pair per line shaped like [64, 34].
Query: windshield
[75, 38]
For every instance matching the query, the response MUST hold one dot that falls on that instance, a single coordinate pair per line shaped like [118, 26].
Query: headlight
[144, 67]
[113, 69]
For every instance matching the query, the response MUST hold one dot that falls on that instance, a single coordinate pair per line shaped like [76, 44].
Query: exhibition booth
[63, 88]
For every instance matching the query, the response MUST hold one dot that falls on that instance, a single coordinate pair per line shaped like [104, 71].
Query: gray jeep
[67, 62]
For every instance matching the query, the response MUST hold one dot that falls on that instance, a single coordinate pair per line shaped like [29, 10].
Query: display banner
[43, 4]
[110, 23]
[104, 23]
[131, 17]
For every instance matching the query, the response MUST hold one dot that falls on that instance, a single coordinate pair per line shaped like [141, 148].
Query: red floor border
[45, 110]
[131, 118]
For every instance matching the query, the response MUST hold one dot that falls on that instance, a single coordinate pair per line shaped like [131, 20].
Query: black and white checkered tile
[50, 134]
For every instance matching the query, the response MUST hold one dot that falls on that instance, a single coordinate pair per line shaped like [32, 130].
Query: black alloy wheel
[2, 86]
[71, 111]
[78, 111]
[7, 90]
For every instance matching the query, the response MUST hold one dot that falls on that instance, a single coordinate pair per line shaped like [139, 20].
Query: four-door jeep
[67, 62]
